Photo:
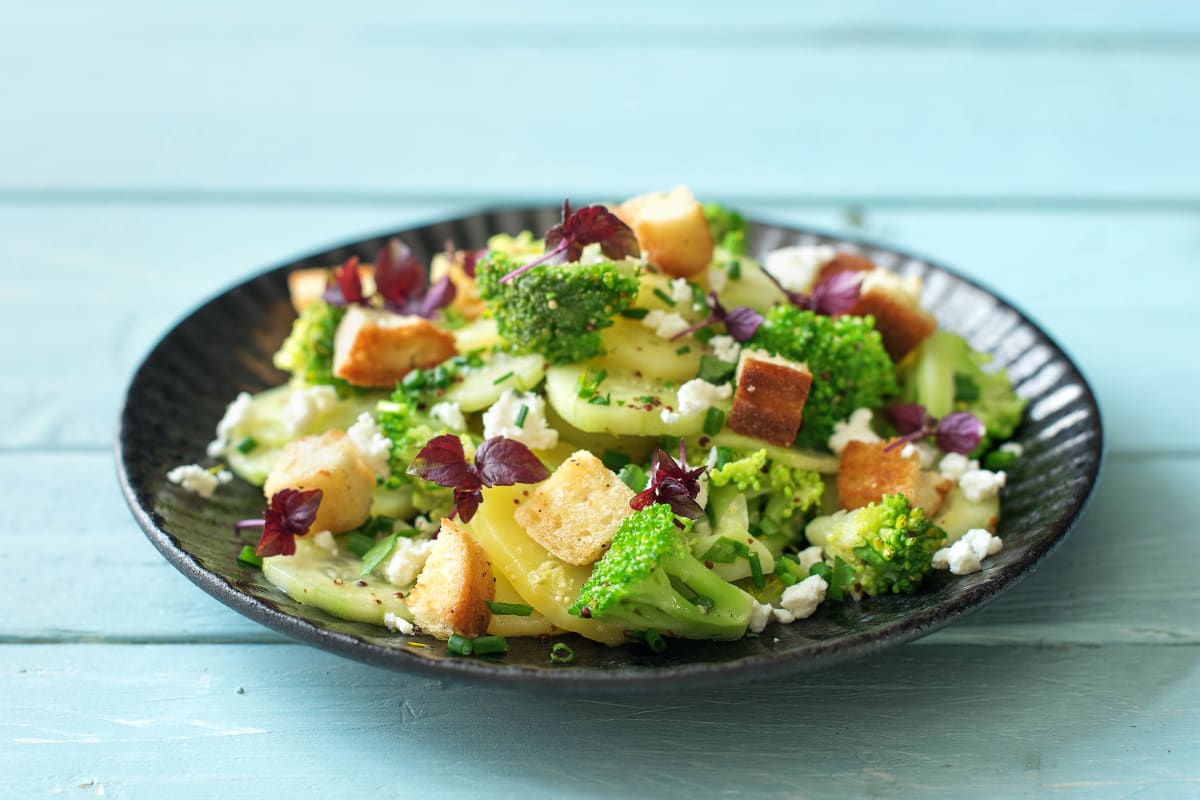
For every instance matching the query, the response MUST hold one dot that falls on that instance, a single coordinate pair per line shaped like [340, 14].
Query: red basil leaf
[276, 540]
[642, 499]
[466, 503]
[398, 273]
[742, 323]
[440, 295]
[470, 259]
[679, 497]
[347, 285]
[909, 418]
[504, 462]
[443, 462]
[590, 225]
[959, 432]
[295, 510]
[837, 294]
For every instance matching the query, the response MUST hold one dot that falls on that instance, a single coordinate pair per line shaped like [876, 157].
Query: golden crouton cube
[377, 348]
[576, 511]
[869, 471]
[844, 262]
[671, 230]
[466, 292]
[305, 286]
[329, 462]
[769, 401]
[452, 591]
[901, 324]
[932, 489]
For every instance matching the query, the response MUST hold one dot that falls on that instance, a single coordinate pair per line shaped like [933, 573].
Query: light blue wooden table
[152, 154]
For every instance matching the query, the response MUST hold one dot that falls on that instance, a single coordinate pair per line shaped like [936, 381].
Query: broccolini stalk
[778, 497]
[307, 353]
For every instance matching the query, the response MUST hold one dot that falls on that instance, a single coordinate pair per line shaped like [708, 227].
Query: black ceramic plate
[225, 346]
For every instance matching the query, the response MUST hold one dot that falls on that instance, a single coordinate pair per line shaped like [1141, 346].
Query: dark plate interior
[225, 346]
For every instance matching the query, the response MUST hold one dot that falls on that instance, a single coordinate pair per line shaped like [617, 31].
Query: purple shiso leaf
[742, 323]
[290, 514]
[960, 432]
[589, 225]
[642, 499]
[399, 276]
[443, 462]
[837, 294]
[467, 502]
[504, 462]
[440, 295]
[470, 259]
[910, 418]
[347, 285]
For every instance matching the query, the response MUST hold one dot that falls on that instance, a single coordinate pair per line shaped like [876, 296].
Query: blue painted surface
[151, 155]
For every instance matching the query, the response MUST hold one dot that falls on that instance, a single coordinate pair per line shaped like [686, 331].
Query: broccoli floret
[649, 580]
[888, 546]
[307, 352]
[728, 228]
[409, 430]
[778, 497]
[850, 368]
[946, 374]
[557, 310]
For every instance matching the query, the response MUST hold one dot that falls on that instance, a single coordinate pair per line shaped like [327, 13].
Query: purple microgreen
[399, 276]
[671, 483]
[741, 323]
[346, 287]
[589, 225]
[470, 259]
[440, 295]
[960, 432]
[910, 417]
[835, 295]
[498, 462]
[289, 514]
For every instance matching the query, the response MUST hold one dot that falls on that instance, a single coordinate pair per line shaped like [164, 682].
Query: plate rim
[754, 667]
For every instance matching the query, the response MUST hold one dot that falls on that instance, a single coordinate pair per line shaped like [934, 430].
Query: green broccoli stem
[933, 376]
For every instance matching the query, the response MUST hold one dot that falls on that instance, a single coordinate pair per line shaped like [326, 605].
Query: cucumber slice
[626, 413]
[825, 463]
[316, 577]
[959, 515]
[632, 347]
[478, 335]
[482, 386]
[753, 288]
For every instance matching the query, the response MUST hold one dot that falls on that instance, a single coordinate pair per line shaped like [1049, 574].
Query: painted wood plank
[1060, 722]
[1098, 281]
[180, 101]
[1126, 575]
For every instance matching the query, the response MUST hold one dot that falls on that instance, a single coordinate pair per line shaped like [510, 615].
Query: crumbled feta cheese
[665, 324]
[407, 560]
[855, 429]
[306, 405]
[908, 451]
[398, 624]
[501, 420]
[373, 447]
[889, 282]
[967, 554]
[809, 556]
[670, 417]
[760, 615]
[980, 484]
[725, 348]
[1013, 447]
[928, 453]
[681, 291]
[702, 495]
[235, 413]
[426, 525]
[325, 541]
[800, 600]
[696, 395]
[718, 279]
[796, 268]
[198, 480]
[954, 465]
[449, 414]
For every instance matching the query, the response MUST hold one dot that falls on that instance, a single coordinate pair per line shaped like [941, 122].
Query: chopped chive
[999, 459]
[714, 420]
[378, 552]
[246, 445]
[615, 459]
[601, 399]
[249, 558]
[359, 543]
[489, 645]
[633, 476]
[502, 378]
[734, 270]
[521, 415]
[509, 609]
[421, 645]
[656, 641]
[714, 370]
[459, 645]
[724, 456]
[756, 572]
[687, 348]
[633, 313]
[704, 334]
[705, 603]
[666, 298]
[561, 654]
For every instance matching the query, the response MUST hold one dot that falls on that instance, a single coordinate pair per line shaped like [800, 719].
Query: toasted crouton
[869, 471]
[307, 285]
[671, 230]
[844, 262]
[378, 348]
[575, 512]
[932, 489]
[466, 292]
[896, 306]
[329, 462]
[770, 397]
[451, 592]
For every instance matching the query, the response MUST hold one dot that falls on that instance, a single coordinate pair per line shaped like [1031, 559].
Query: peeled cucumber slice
[312, 576]
[632, 347]
[959, 515]
[482, 386]
[626, 413]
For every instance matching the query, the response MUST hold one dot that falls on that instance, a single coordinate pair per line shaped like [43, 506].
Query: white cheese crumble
[665, 324]
[809, 556]
[800, 600]
[449, 414]
[681, 291]
[235, 413]
[407, 560]
[967, 554]
[928, 453]
[426, 525]
[909, 451]
[954, 465]
[908, 289]
[501, 420]
[398, 624]
[980, 484]
[1013, 447]
[670, 417]
[796, 268]
[373, 447]
[306, 405]
[198, 480]
[325, 541]
[725, 348]
[760, 615]
[697, 395]
[855, 429]
[718, 279]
